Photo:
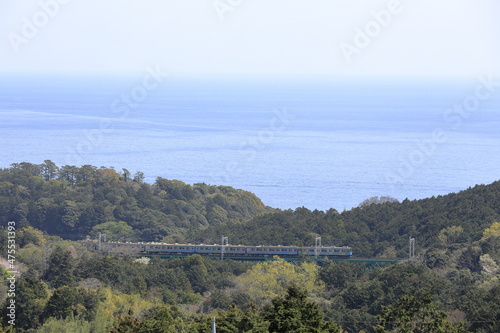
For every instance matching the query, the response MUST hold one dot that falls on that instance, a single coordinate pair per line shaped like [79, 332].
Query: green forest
[452, 285]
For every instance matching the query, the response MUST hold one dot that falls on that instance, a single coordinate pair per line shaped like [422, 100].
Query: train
[237, 252]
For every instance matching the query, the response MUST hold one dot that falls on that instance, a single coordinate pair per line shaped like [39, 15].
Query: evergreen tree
[295, 314]
[411, 315]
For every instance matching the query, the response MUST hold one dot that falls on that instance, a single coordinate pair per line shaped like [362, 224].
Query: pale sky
[429, 38]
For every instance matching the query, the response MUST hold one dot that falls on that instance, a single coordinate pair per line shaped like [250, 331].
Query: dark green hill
[73, 202]
[374, 230]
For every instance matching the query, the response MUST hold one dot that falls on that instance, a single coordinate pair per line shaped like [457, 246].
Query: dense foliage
[69, 286]
[452, 286]
[73, 202]
[376, 230]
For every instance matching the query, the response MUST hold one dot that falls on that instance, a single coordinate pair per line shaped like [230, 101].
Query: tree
[49, 170]
[68, 173]
[43, 213]
[72, 301]
[450, 235]
[492, 231]
[270, 279]
[411, 315]
[470, 259]
[197, 273]
[236, 320]
[115, 231]
[107, 175]
[31, 235]
[139, 177]
[126, 174]
[484, 313]
[67, 325]
[32, 169]
[85, 173]
[61, 268]
[377, 200]
[70, 213]
[162, 319]
[337, 275]
[127, 323]
[488, 265]
[295, 314]
[436, 258]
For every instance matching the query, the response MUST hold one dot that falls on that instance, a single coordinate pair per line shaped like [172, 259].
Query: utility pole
[214, 329]
[317, 247]
[412, 248]
[101, 236]
[225, 242]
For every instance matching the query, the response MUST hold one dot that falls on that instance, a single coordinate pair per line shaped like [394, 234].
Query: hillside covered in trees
[377, 229]
[452, 286]
[73, 202]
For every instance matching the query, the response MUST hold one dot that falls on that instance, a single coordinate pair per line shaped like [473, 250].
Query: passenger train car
[239, 252]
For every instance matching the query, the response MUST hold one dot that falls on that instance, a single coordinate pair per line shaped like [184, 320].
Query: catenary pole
[214, 329]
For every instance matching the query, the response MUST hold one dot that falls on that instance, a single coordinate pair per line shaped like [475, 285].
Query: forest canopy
[73, 202]
[453, 284]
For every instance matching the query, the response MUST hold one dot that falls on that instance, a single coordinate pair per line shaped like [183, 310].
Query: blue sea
[315, 143]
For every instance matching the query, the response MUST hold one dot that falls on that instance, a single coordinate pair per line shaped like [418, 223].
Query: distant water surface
[316, 144]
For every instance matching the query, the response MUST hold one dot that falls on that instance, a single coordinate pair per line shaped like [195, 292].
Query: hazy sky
[255, 37]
